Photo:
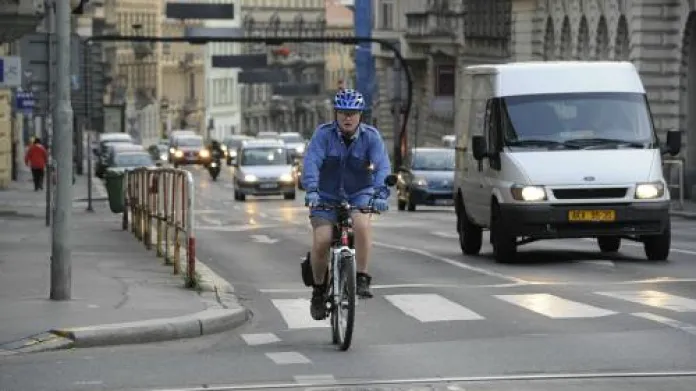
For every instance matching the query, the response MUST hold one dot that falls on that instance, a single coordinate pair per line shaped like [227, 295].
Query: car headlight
[528, 193]
[223, 147]
[163, 156]
[204, 153]
[172, 150]
[648, 191]
[286, 178]
[300, 149]
[179, 154]
[420, 182]
[233, 153]
[250, 178]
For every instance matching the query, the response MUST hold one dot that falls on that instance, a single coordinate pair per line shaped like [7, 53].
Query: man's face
[348, 120]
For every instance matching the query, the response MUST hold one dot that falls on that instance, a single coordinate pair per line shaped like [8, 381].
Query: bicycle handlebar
[345, 206]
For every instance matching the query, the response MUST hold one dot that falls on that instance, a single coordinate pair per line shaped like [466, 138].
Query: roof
[432, 149]
[262, 143]
[114, 136]
[546, 77]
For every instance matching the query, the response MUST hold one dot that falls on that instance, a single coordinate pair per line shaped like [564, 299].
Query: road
[438, 318]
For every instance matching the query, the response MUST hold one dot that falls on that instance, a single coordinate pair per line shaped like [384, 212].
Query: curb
[223, 313]
[683, 214]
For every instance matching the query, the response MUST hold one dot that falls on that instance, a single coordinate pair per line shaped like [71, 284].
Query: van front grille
[586, 194]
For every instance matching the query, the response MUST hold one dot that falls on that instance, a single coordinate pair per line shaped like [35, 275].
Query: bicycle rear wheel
[343, 314]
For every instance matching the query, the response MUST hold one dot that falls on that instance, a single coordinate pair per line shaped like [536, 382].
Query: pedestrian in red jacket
[37, 158]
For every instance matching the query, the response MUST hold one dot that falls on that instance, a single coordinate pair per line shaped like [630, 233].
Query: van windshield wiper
[598, 141]
[540, 143]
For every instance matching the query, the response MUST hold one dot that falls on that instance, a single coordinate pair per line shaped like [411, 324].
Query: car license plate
[591, 215]
[268, 185]
[444, 202]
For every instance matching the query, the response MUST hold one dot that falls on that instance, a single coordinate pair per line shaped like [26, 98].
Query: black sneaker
[363, 285]
[318, 306]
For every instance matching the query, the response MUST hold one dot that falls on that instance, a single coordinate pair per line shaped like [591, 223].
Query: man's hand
[311, 199]
[380, 204]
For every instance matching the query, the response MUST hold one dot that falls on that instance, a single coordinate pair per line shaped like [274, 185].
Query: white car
[263, 168]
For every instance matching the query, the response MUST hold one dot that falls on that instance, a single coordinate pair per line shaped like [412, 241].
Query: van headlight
[179, 153]
[422, 182]
[286, 178]
[649, 191]
[204, 153]
[528, 193]
[250, 178]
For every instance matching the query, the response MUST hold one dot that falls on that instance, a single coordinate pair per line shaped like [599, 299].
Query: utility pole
[63, 142]
[396, 113]
[48, 112]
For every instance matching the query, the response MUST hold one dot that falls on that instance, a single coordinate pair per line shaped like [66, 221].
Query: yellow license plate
[592, 215]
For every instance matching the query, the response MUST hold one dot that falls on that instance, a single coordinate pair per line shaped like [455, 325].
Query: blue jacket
[339, 172]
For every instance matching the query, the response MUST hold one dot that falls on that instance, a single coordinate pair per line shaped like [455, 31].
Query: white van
[549, 150]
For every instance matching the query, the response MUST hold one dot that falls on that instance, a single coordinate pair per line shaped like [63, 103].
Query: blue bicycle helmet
[349, 100]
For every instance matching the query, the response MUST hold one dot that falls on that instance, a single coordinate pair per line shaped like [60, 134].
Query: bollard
[191, 238]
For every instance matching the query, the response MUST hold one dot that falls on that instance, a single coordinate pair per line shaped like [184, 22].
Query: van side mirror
[673, 142]
[478, 147]
[390, 180]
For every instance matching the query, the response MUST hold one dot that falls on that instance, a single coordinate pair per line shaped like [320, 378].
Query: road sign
[10, 71]
[24, 101]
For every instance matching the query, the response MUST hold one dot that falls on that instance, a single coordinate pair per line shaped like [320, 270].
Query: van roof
[548, 77]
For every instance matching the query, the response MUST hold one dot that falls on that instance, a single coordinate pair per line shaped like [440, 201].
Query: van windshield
[578, 121]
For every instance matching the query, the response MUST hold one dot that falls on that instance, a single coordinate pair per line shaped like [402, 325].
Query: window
[387, 15]
[444, 80]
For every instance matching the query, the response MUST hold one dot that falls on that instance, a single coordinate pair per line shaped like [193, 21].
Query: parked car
[159, 152]
[128, 160]
[294, 143]
[426, 179]
[106, 157]
[263, 168]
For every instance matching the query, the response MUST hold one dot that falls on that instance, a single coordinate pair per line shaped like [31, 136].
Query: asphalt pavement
[565, 317]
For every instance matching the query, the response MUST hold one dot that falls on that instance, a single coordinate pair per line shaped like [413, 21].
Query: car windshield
[433, 160]
[190, 142]
[132, 160]
[234, 143]
[271, 156]
[292, 138]
[578, 120]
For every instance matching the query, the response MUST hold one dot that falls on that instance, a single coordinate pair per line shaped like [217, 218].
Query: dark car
[106, 157]
[190, 150]
[128, 160]
[231, 144]
[427, 179]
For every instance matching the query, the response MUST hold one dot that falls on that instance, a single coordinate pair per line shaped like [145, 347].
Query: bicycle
[341, 293]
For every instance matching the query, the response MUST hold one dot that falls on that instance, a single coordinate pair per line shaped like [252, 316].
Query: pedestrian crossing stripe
[432, 307]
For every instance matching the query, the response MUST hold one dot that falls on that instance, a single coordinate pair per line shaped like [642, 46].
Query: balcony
[19, 17]
[433, 27]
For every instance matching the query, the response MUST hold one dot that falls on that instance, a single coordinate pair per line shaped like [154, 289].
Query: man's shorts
[330, 217]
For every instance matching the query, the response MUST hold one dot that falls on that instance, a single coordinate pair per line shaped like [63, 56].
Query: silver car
[263, 168]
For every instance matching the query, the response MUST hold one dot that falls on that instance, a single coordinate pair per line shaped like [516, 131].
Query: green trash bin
[114, 187]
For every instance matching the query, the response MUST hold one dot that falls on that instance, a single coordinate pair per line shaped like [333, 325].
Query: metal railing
[159, 203]
[667, 168]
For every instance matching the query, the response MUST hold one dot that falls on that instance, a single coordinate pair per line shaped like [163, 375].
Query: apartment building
[261, 109]
[222, 93]
[340, 59]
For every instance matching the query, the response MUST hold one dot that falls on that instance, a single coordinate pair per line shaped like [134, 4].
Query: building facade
[261, 109]
[340, 61]
[222, 94]
[658, 37]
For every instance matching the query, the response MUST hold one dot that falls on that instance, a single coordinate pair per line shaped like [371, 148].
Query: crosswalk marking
[555, 307]
[285, 358]
[431, 308]
[295, 312]
[655, 299]
[260, 338]
[685, 327]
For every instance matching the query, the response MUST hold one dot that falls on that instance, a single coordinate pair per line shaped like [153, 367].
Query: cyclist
[346, 160]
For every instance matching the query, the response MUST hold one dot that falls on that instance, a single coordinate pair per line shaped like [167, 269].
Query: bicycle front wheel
[344, 311]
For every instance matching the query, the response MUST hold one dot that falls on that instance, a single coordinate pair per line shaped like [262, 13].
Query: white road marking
[448, 235]
[431, 308]
[260, 338]
[209, 220]
[314, 379]
[285, 358]
[685, 327]
[655, 299]
[632, 244]
[452, 262]
[295, 312]
[555, 307]
[263, 215]
[263, 239]
[599, 263]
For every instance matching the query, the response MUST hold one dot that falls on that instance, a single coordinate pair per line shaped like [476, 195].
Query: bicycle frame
[342, 245]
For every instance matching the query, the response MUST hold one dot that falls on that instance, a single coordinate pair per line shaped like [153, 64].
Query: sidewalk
[688, 212]
[114, 280]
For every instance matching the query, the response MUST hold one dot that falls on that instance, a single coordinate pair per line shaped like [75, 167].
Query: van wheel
[504, 244]
[657, 246]
[470, 235]
[609, 244]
